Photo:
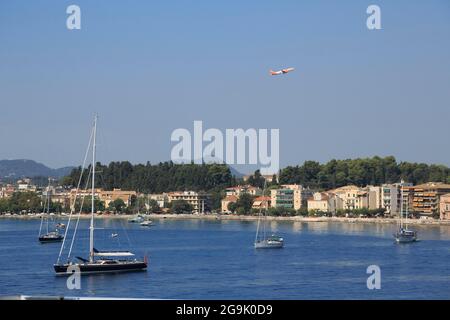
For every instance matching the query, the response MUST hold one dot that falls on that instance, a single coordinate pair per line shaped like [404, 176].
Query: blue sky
[149, 67]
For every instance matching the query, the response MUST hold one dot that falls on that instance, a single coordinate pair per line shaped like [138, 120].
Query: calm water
[195, 259]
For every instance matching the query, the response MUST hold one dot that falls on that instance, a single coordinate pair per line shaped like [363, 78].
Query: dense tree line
[362, 172]
[162, 177]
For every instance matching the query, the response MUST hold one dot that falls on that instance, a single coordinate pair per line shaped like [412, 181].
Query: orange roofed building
[226, 201]
[262, 202]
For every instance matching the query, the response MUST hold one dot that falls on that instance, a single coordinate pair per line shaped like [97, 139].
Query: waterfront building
[106, 196]
[199, 201]
[262, 202]
[391, 198]
[109, 196]
[444, 207]
[426, 197]
[352, 197]
[290, 196]
[386, 196]
[323, 202]
[374, 197]
[226, 201]
[161, 198]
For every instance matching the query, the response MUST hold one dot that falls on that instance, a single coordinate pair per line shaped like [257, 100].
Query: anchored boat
[49, 236]
[403, 234]
[262, 241]
[98, 261]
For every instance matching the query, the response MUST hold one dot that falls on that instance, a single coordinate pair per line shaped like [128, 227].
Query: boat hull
[268, 244]
[50, 240]
[405, 239]
[92, 268]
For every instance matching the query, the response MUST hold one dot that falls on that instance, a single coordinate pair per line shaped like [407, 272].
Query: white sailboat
[403, 234]
[262, 241]
[98, 261]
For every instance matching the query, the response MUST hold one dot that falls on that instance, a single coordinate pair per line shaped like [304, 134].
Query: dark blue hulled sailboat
[49, 236]
[98, 261]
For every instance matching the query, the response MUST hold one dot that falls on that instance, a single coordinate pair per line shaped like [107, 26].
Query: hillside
[21, 168]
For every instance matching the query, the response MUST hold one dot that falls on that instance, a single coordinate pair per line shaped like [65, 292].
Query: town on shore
[424, 203]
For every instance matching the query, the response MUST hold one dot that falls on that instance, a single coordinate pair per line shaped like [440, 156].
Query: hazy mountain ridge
[23, 168]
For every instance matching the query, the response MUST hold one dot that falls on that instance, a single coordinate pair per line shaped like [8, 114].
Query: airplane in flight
[282, 71]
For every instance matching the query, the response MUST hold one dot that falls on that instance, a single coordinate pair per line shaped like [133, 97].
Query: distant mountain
[22, 168]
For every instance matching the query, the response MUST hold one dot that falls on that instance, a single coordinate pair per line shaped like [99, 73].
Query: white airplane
[282, 71]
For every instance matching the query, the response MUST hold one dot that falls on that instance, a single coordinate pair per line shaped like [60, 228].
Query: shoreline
[218, 217]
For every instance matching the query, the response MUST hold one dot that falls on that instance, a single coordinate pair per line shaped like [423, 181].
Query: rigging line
[42, 217]
[48, 204]
[79, 215]
[72, 206]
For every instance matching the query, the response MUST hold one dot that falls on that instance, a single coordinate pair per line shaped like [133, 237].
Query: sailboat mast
[91, 235]
[407, 209]
[48, 203]
[401, 205]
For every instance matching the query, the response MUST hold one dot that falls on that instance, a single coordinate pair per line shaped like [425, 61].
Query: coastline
[218, 217]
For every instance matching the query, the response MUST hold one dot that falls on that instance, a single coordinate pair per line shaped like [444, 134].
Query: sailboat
[98, 261]
[403, 234]
[49, 236]
[262, 241]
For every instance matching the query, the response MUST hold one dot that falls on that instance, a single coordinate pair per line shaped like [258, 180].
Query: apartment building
[106, 196]
[290, 196]
[352, 197]
[386, 196]
[426, 197]
[444, 207]
[109, 196]
[199, 201]
[324, 202]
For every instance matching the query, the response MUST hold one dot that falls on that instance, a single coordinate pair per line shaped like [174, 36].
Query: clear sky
[149, 67]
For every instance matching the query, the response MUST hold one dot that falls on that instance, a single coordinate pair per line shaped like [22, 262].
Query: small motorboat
[114, 235]
[60, 226]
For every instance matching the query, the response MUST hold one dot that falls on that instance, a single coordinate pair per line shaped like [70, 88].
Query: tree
[244, 203]
[256, 180]
[87, 204]
[157, 178]
[232, 207]
[117, 205]
[181, 206]
[154, 206]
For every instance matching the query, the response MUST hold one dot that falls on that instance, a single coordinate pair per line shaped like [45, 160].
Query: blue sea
[200, 259]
